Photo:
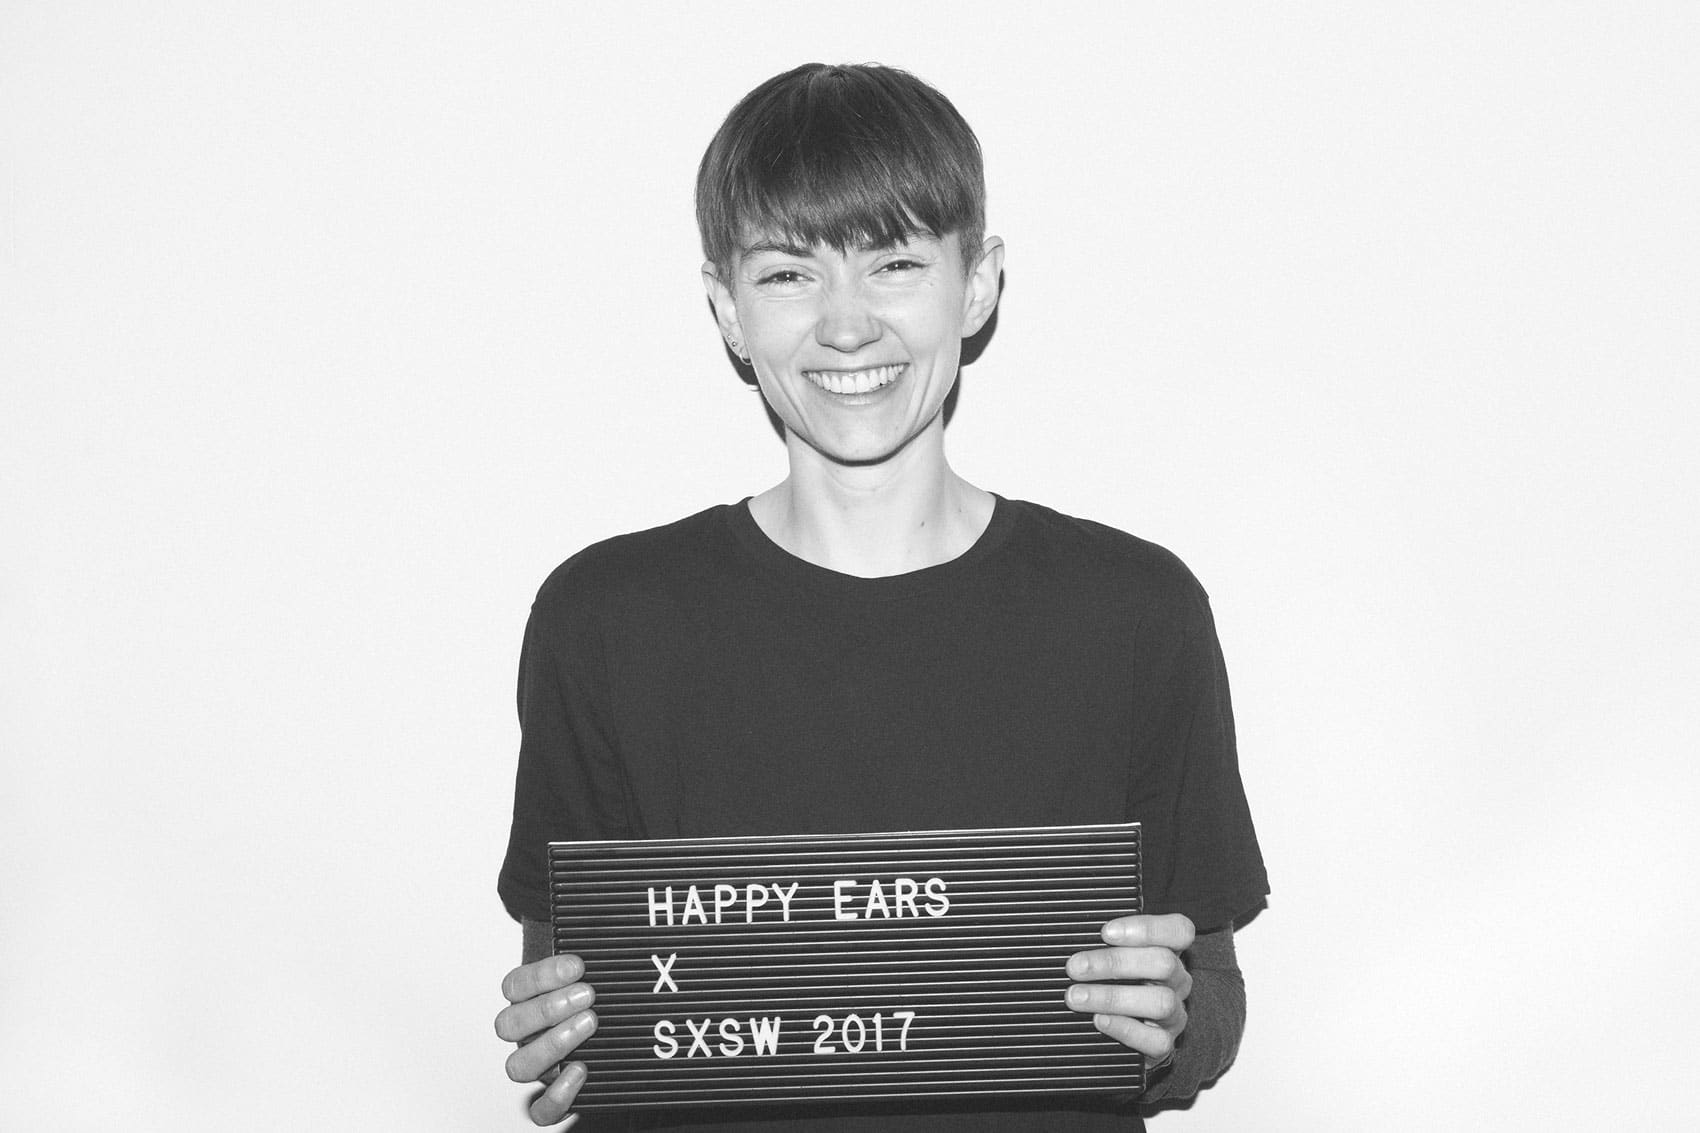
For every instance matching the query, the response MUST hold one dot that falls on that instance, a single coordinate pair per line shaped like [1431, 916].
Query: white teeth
[855, 381]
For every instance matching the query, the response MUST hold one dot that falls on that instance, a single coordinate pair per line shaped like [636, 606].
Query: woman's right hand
[548, 1015]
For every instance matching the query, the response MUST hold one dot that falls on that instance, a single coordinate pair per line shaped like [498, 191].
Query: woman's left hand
[1148, 1015]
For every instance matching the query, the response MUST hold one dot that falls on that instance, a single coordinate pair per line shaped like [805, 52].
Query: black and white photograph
[763, 567]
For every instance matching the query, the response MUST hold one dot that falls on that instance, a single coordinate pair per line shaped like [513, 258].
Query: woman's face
[855, 351]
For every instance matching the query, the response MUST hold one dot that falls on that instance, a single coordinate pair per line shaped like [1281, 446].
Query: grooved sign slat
[835, 968]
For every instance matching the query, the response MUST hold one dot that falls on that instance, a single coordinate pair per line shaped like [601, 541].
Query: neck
[904, 514]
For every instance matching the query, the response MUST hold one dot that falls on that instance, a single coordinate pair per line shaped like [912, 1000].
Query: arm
[568, 784]
[1215, 1019]
[1182, 1005]
[1203, 867]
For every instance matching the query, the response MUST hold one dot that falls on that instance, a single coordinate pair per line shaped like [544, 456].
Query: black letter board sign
[832, 968]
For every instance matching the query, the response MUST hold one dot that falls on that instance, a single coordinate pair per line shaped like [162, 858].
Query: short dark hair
[842, 156]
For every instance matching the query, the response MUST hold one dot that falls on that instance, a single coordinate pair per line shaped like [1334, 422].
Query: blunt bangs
[855, 156]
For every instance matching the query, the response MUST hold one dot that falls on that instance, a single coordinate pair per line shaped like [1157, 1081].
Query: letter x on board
[665, 979]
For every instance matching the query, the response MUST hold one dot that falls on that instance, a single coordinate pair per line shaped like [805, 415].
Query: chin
[865, 454]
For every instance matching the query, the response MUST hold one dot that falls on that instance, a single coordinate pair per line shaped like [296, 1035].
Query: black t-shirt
[697, 679]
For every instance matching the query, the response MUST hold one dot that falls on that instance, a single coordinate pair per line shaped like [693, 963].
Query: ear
[981, 298]
[725, 306]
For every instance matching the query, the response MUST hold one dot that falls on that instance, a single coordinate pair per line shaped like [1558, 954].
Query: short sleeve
[1201, 852]
[569, 784]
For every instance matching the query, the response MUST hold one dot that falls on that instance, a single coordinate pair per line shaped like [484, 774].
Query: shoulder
[674, 556]
[1088, 552]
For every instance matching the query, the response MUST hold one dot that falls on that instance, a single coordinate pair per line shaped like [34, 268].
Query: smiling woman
[842, 212]
[875, 644]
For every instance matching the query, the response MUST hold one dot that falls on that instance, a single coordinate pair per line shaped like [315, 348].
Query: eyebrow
[781, 248]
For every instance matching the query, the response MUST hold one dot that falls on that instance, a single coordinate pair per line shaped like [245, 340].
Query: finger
[531, 1061]
[1154, 1002]
[1155, 1043]
[531, 980]
[1172, 930]
[552, 1104]
[1127, 964]
[520, 1021]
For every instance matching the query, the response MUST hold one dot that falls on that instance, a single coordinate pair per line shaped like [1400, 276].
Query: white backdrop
[328, 329]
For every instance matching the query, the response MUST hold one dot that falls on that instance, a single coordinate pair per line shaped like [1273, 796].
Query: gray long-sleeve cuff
[1215, 1021]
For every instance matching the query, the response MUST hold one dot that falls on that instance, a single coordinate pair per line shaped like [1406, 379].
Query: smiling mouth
[856, 381]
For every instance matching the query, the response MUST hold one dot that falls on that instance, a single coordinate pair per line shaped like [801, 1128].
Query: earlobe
[725, 306]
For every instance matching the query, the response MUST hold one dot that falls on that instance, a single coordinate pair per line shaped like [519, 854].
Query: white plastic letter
[765, 1034]
[656, 906]
[876, 900]
[699, 1037]
[723, 895]
[754, 896]
[666, 1046]
[732, 1043]
[693, 901]
[665, 979]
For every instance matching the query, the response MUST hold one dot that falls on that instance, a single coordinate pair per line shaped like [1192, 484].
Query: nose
[846, 322]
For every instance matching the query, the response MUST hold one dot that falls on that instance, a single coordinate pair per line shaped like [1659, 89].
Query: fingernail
[575, 1074]
[579, 998]
[1077, 996]
[1079, 967]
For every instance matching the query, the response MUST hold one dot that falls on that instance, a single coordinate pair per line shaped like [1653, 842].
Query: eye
[901, 265]
[781, 278]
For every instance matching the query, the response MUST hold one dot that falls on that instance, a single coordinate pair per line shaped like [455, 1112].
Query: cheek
[939, 329]
[777, 328]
